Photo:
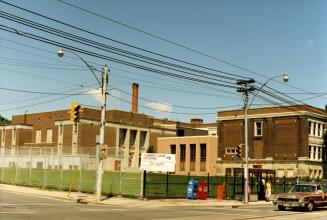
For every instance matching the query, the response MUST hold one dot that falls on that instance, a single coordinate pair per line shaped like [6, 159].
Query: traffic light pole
[245, 90]
[105, 71]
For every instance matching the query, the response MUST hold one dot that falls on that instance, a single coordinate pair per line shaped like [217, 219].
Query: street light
[245, 90]
[104, 86]
[285, 79]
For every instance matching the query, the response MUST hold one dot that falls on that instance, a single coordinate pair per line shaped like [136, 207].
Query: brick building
[288, 140]
[127, 134]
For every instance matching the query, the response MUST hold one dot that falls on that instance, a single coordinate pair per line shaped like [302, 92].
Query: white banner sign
[158, 162]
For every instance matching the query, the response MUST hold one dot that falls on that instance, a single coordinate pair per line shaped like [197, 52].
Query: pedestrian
[262, 195]
[268, 190]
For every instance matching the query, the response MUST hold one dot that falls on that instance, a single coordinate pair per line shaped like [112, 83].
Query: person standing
[268, 190]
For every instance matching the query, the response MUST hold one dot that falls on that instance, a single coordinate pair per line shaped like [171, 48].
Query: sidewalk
[122, 201]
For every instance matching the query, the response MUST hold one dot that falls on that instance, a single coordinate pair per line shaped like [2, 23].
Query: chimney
[135, 98]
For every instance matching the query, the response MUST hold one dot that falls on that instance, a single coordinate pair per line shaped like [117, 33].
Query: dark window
[203, 148]
[182, 155]
[173, 149]
[193, 152]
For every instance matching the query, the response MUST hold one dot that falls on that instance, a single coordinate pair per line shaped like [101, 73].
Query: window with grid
[258, 128]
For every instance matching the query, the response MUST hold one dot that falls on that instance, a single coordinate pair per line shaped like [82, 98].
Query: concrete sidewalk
[122, 201]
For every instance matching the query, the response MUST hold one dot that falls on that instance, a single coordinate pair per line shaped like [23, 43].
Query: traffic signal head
[239, 151]
[103, 152]
[75, 111]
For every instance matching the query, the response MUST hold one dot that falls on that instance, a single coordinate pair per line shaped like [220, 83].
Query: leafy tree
[4, 121]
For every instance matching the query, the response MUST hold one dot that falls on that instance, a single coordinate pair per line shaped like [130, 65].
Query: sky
[228, 40]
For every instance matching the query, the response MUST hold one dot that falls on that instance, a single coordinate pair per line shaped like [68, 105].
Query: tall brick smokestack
[135, 99]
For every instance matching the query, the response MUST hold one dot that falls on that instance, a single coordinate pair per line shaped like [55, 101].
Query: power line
[116, 41]
[178, 106]
[113, 50]
[45, 93]
[93, 54]
[38, 103]
[180, 113]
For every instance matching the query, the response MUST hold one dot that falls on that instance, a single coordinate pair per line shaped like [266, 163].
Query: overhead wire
[85, 52]
[116, 41]
[113, 50]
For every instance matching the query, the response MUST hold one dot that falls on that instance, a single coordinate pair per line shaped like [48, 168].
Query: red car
[303, 195]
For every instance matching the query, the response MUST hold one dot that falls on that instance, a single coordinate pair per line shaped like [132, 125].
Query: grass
[113, 183]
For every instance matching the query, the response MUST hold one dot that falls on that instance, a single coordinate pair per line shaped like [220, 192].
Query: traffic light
[239, 151]
[103, 152]
[75, 111]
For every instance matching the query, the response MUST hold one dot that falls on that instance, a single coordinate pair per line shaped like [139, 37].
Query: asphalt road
[24, 207]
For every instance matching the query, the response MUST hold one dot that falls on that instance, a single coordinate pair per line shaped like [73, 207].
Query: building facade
[195, 155]
[288, 140]
[127, 135]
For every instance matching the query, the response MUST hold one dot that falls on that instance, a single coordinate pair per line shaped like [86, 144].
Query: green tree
[4, 121]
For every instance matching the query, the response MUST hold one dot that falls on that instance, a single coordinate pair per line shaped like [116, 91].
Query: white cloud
[95, 94]
[166, 107]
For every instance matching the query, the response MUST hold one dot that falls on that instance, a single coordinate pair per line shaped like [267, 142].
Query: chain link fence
[47, 170]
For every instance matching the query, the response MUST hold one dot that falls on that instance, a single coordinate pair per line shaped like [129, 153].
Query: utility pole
[105, 71]
[245, 89]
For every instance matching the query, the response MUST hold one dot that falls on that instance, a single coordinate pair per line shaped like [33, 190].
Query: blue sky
[266, 37]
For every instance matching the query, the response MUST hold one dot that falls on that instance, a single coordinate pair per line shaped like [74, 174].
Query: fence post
[60, 167]
[284, 183]
[31, 164]
[45, 173]
[208, 180]
[16, 166]
[167, 184]
[144, 184]
[80, 171]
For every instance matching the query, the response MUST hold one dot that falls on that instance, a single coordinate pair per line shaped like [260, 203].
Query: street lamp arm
[285, 78]
[61, 53]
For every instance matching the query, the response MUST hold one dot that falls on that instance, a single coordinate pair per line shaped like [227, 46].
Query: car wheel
[281, 208]
[310, 206]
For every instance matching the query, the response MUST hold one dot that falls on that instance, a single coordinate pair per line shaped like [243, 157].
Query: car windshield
[303, 188]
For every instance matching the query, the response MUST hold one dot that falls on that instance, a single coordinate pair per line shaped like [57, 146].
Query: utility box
[203, 190]
[192, 189]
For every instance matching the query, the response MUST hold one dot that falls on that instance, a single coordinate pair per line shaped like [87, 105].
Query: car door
[324, 188]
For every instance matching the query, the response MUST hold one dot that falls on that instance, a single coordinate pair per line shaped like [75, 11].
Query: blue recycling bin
[192, 189]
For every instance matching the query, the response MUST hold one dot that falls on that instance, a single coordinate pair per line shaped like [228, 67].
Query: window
[203, 148]
[173, 149]
[49, 135]
[231, 150]
[3, 134]
[203, 156]
[310, 152]
[193, 155]
[258, 128]
[182, 157]
[310, 127]
[182, 154]
[14, 134]
[38, 136]
[314, 129]
[319, 149]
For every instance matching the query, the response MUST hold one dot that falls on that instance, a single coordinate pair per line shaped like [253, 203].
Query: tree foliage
[4, 121]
